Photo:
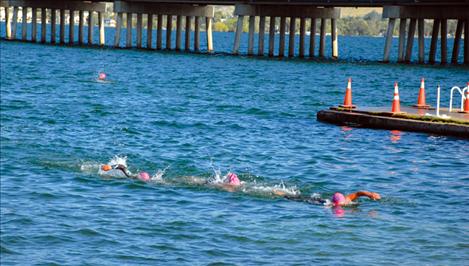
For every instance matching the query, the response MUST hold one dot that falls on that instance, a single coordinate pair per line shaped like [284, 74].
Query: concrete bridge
[273, 14]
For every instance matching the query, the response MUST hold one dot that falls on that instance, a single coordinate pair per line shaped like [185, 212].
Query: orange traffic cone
[421, 100]
[466, 101]
[348, 96]
[396, 105]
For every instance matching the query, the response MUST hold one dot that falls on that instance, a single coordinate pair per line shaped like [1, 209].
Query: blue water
[194, 115]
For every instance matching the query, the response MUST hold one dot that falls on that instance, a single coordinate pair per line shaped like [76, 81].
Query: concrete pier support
[197, 34]
[283, 12]
[260, 49]
[62, 27]
[71, 30]
[14, 23]
[81, 22]
[271, 36]
[208, 31]
[291, 37]
[421, 34]
[312, 37]
[281, 46]
[335, 41]
[53, 25]
[410, 40]
[24, 26]
[128, 39]
[169, 29]
[402, 32]
[171, 11]
[387, 46]
[90, 27]
[7, 22]
[187, 41]
[159, 32]
[322, 38]
[435, 32]
[440, 16]
[457, 39]
[302, 37]
[139, 30]
[101, 29]
[117, 36]
[443, 41]
[466, 42]
[43, 25]
[239, 30]
[33, 24]
[178, 32]
[252, 24]
[149, 31]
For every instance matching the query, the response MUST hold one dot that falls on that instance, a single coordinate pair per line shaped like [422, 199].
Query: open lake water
[177, 115]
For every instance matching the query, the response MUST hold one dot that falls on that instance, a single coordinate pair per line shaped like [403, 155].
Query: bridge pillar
[33, 24]
[24, 27]
[8, 19]
[293, 13]
[150, 31]
[260, 50]
[171, 11]
[53, 25]
[71, 27]
[440, 16]
[90, 27]
[15, 23]
[302, 37]
[312, 37]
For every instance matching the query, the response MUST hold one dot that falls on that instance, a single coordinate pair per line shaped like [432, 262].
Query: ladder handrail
[463, 97]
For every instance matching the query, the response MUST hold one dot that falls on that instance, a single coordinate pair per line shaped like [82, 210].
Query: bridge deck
[335, 3]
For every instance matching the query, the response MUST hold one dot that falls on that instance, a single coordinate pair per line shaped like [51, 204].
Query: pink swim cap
[102, 76]
[233, 179]
[338, 199]
[144, 176]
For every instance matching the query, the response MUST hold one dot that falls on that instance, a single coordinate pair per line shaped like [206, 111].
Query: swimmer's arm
[124, 170]
[356, 195]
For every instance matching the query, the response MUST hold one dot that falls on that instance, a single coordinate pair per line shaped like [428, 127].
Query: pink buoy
[102, 76]
[144, 176]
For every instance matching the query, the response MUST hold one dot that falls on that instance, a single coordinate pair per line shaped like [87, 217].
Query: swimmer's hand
[375, 196]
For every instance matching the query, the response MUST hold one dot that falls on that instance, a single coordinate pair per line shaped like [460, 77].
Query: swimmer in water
[101, 76]
[143, 176]
[231, 182]
[338, 199]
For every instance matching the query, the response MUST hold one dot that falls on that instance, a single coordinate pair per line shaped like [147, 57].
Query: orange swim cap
[106, 167]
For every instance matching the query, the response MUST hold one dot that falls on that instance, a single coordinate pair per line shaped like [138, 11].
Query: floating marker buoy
[102, 76]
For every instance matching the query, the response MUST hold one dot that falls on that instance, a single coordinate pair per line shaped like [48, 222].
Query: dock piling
[90, 27]
[302, 37]
[271, 36]
[312, 37]
[281, 48]
[128, 43]
[291, 37]
[139, 30]
[149, 30]
[53, 25]
[24, 23]
[260, 50]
